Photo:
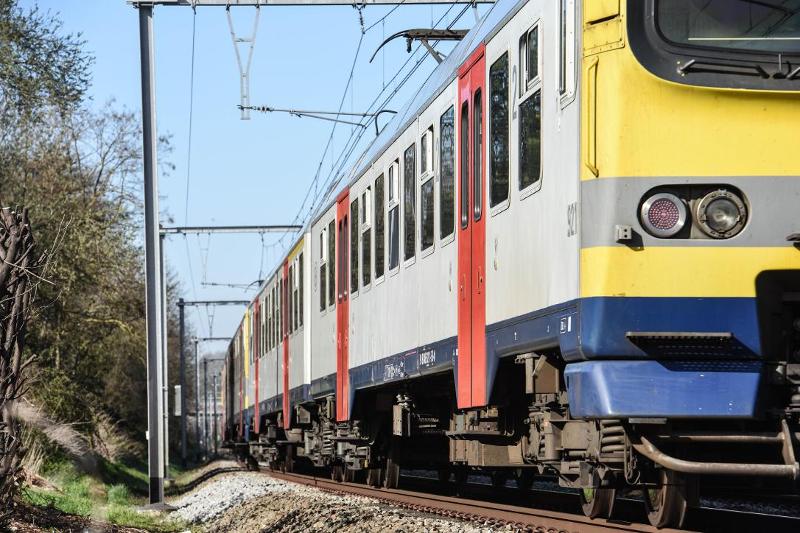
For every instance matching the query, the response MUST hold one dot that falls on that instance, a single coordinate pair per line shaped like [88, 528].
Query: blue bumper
[623, 389]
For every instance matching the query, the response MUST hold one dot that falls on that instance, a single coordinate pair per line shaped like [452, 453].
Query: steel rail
[489, 513]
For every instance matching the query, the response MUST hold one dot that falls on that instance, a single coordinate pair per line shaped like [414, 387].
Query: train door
[287, 418]
[471, 386]
[342, 308]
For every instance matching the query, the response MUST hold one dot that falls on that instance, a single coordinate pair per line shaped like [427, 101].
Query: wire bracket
[244, 69]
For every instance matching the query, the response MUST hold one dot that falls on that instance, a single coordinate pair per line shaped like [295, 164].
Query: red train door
[287, 417]
[342, 308]
[471, 386]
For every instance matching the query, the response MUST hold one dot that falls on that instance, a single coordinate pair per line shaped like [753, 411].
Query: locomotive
[574, 253]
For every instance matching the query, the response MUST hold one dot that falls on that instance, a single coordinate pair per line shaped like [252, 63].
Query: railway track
[503, 506]
[479, 511]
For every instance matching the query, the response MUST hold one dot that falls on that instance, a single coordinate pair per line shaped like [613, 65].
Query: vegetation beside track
[113, 495]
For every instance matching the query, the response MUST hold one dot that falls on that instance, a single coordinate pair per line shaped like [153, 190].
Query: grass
[113, 496]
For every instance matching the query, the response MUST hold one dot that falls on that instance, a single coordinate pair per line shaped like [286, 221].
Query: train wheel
[598, 502]
[443, 473]
[461, 474]
[524, 478]
[337, 473]
[288, 463]
[667, 503]
[392, 477]
[374, 477]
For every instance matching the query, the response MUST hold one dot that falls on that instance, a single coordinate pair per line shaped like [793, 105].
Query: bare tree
[20, 272]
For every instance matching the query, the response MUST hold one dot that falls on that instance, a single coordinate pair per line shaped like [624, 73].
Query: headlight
[663, 215]
[721, 214]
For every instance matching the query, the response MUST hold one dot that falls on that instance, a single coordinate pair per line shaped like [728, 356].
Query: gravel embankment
[250, 502]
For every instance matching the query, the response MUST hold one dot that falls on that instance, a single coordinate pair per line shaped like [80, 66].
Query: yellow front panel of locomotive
[635, 124]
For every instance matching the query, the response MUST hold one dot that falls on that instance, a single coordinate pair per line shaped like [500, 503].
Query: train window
[268, 313]
[262, 341]
[366, 206]
[477, 154]
[339, 265]
[394, 170]
[447, 173]
[292, 300]
[344, 251]
[281, 309]
[426, 153]
[530, 141]
[323, 293]
[290, 296]
[300, 289]
[366, 237]
[529, 59]
[566, 79]
[426, 212]
[498, 136]
[272, 318]
[394, 238]
[354, 215]
[332, 262]
[379, 231]
[410, 202]
[394, 217]
[464, 147]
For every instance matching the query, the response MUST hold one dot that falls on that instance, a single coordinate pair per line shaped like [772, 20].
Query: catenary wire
[191, 117]
[349, 148]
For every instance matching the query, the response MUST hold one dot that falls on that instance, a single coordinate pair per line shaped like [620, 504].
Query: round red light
[664, 214]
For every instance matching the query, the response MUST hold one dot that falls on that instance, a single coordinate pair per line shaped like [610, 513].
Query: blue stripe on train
[674, 389]
[606, 321]
[597, 328]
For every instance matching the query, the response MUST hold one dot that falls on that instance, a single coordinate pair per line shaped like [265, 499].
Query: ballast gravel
[249, 502]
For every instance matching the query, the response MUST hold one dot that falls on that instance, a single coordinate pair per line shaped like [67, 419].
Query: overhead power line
[323, 115]
[181, 230]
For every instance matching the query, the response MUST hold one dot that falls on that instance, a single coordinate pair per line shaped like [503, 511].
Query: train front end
[690, 233]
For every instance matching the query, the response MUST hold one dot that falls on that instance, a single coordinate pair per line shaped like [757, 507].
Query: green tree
[79, 173]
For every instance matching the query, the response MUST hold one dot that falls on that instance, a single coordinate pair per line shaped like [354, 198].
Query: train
[575, 253]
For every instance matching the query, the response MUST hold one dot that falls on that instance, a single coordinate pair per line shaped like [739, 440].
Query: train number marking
[394, 371]
[427, 358]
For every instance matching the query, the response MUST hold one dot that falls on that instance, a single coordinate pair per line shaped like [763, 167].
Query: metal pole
[205, 407]
[183, 382]
[155, 406]
[165, 353]
[214, 399]
[197, 400]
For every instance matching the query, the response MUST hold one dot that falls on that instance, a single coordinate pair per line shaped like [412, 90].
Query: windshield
[751, 25]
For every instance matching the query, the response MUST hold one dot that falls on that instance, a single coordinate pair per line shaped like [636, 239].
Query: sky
[236, 172]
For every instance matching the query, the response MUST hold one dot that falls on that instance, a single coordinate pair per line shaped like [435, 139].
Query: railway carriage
[575, 252]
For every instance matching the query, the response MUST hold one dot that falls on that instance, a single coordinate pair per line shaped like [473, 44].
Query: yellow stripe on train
[680, 271]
